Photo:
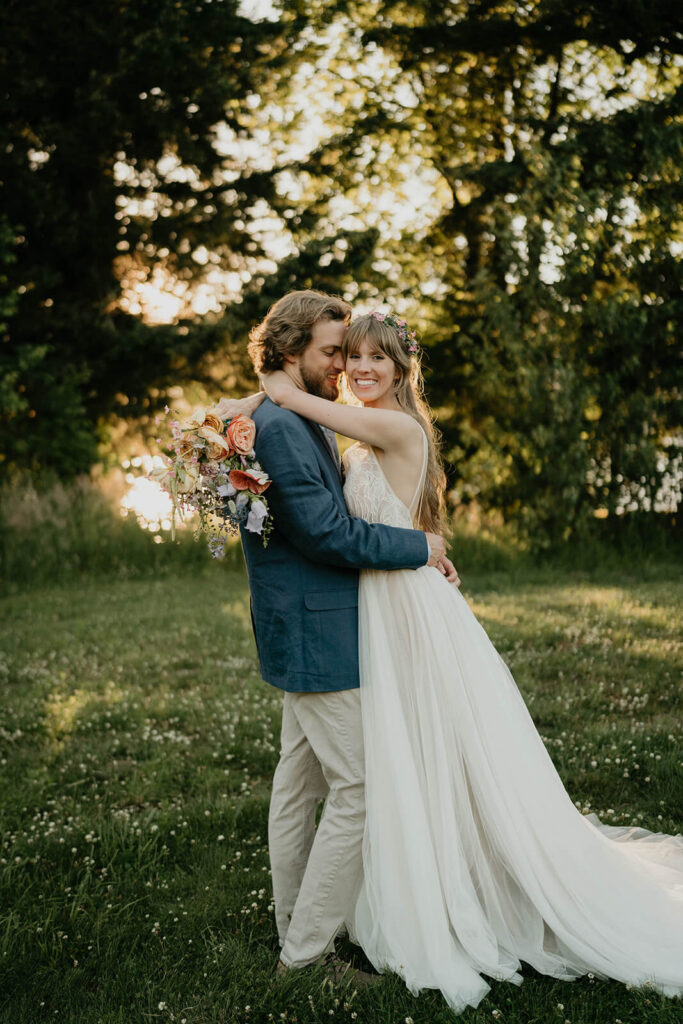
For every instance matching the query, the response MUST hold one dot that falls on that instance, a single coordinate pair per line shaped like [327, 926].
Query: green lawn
[137, 744]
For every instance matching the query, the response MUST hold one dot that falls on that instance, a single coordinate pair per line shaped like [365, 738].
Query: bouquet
[213, 470]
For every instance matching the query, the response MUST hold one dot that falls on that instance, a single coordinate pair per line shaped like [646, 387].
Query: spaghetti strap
[419, 492]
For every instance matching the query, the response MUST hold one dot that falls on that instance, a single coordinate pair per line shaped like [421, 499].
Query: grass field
[137, 744]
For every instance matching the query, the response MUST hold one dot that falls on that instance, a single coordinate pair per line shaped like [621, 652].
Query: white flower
[163, 475]
[196, 420]
[257, 513]
[226, 490]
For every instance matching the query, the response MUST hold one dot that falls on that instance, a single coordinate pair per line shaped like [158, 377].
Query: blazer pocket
[330, 600]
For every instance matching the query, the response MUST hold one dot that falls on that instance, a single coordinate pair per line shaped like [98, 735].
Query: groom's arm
[305, 512]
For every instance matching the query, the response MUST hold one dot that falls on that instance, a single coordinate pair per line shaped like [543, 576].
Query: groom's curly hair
[288, 325]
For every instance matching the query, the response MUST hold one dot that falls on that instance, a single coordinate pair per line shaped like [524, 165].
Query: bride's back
[383, 488]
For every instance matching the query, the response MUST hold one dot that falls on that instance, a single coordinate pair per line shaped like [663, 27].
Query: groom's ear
[293, 360]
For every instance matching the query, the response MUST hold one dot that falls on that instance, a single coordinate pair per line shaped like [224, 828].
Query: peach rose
[253, 480]
[241, 434]
[218, 447]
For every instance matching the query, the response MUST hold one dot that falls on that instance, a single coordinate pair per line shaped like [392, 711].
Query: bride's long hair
[409, 391]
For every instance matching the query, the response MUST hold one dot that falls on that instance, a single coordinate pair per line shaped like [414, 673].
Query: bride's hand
[446, 567]
[276, 385]
[229, 408]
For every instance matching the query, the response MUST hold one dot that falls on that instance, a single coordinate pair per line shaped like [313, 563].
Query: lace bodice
[368, 493]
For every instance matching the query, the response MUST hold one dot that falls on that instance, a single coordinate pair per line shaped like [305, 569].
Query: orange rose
[253, 480]
[241, 433]
[211, 420]
[218, 447]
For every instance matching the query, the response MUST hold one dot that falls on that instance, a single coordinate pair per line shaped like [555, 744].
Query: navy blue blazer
[304, 585]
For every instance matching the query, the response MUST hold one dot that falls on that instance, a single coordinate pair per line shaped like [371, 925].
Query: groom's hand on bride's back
[437, 548]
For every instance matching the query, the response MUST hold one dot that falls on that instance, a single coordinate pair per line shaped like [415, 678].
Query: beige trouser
[316, 873]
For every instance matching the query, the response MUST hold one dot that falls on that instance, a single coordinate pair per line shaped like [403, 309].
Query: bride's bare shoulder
[411, 431]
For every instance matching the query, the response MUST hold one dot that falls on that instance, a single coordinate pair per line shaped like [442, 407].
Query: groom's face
[321, 363]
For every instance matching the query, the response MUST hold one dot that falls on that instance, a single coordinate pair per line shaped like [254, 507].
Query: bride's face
[371, 374]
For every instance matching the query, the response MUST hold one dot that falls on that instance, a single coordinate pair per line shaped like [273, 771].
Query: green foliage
[14, 366]
[576, 378]
[51, 531]
[59, 533]
[8, 297]
[548, 288]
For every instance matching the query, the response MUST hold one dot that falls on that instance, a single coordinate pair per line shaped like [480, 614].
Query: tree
[547, 287]
[125, 150]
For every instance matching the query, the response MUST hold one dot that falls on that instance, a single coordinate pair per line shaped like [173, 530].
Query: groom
[304, 604]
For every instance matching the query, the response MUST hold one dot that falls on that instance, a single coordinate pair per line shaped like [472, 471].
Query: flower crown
[401, 328]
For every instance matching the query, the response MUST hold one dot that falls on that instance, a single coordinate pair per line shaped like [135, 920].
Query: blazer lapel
[320, 438]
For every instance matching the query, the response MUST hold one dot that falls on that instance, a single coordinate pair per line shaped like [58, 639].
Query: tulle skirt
[475, 857]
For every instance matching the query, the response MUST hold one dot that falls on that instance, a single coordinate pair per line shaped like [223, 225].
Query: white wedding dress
[474, 856]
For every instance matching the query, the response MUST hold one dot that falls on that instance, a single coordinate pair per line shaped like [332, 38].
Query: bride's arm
[381, 428]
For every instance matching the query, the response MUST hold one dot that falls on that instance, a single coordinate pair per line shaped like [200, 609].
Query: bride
[475, 858]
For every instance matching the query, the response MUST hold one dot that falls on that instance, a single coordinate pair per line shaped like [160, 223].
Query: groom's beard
[319, 384]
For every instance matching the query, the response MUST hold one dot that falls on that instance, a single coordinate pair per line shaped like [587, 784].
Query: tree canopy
[506, 174]
[548, 286]
[125, 150]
